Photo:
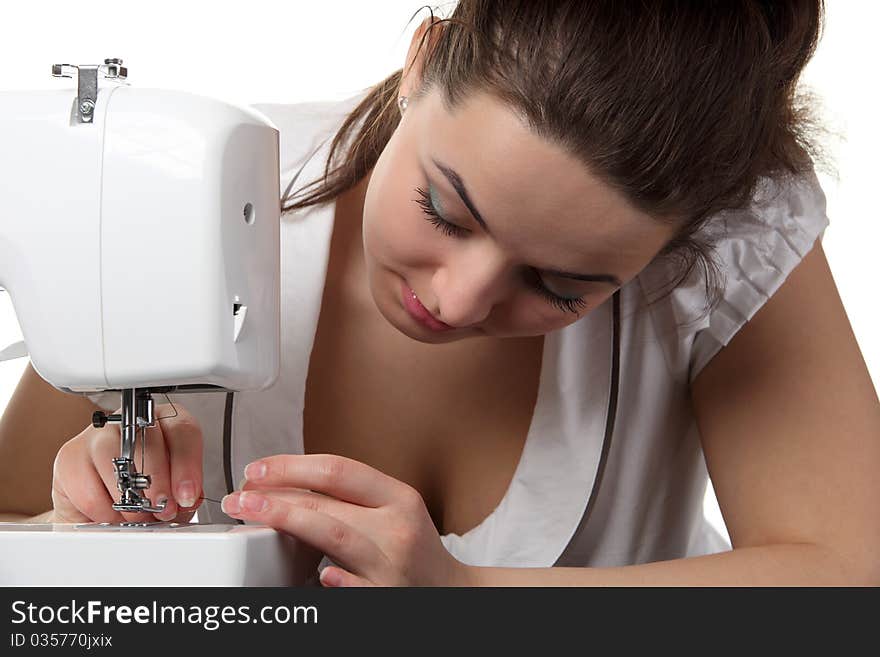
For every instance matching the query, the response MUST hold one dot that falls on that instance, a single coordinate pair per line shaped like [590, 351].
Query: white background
[292, 51]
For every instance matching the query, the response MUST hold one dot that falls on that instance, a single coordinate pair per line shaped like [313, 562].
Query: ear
[412, 68]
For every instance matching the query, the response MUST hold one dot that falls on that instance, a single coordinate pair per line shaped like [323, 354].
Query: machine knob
[115, 69]
[100, 418]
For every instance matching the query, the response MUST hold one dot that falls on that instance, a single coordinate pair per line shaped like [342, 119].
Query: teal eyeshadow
[435, 201]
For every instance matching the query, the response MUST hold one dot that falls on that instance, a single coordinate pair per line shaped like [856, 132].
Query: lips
[418, 312]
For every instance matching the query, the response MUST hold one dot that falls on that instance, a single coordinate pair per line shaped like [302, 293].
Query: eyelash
[451, 230]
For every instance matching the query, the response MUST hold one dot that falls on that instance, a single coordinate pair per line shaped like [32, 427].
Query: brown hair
[681, 106]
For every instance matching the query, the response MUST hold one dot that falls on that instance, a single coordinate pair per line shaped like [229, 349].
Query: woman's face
[520, 212]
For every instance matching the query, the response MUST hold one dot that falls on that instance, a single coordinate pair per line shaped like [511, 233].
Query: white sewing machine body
[164, 554]
[142, 249]
[140, 245]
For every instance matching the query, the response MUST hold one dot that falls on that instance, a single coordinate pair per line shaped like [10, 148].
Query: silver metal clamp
[87, 83]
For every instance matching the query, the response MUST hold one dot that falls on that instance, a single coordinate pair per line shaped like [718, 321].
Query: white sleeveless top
[650, 503]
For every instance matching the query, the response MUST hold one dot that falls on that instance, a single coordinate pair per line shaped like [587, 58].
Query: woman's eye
[434, 217]
[565, 304]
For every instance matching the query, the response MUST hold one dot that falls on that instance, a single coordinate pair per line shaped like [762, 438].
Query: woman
[572, 259]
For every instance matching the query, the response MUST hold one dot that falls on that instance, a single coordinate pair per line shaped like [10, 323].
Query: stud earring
[402, 102]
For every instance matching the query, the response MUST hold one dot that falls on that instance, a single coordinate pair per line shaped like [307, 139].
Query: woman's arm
[38, 420]
[790, 427]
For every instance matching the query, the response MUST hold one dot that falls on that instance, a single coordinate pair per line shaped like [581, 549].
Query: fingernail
[186, 494]
[255, 470]
[253, 502]
[230, 504]
[329, 577]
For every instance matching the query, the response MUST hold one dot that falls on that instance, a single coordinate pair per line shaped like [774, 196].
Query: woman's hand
[374, 526]
[84, 481]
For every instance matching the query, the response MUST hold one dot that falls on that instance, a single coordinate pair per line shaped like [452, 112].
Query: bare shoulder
[789, 422]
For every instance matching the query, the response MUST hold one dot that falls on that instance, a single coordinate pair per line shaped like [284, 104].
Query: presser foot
[139, 508]
[132, 502]
[129, 481]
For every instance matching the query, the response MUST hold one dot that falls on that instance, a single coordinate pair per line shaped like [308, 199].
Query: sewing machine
[140, 245]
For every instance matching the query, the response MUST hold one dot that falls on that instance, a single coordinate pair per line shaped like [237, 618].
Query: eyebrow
[458, 184]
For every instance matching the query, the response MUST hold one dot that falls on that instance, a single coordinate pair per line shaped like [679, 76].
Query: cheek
[395, 235]
[526, 315]
[532, 315]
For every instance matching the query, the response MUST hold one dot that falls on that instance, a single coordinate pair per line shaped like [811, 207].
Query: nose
[467, 287]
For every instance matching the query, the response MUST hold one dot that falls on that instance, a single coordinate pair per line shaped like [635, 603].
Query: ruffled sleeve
[755, 248]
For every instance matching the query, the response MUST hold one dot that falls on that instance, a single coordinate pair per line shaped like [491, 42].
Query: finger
[183, 437]
[257, 487]
[156, 464]
[341, 477]
[333, 576]
[351, 514]
[78, 492]
[341, 542]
